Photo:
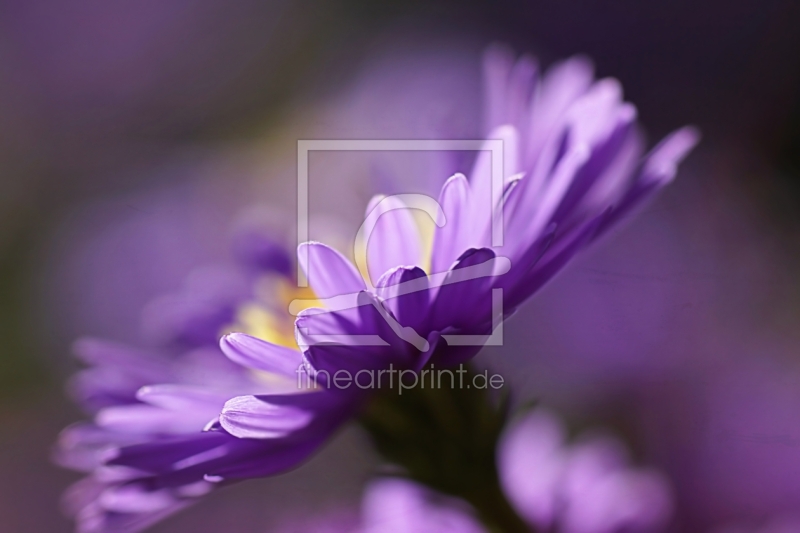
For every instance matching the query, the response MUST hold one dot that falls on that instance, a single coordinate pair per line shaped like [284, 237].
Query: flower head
[584, 487]
[572, 168]
[171, 427]
[158, 438]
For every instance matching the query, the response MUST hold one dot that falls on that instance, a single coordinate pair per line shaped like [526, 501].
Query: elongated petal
[487, 181]
[603, 153]
[562, 84]
[545, 206]
[394, 238]
[557, 255]
[130, 499]
[659, 169]
[161, 456]
[149, 420]
[400, 506]
[531, 466]
[328, 272]
[406, 294]
[179, 397]
[525, 260]
[260, 417]
[100, 508]
[102, 352]
[464, 297]
[261, 355]
[85, 446]
[450, 240]
[662, 162]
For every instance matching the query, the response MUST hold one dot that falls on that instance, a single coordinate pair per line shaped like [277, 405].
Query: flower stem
[446, 438]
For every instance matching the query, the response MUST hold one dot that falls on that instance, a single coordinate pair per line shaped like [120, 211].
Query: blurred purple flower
[400, 506]
[194, 315]
[156, 442]
[584, 487]
[395, 505]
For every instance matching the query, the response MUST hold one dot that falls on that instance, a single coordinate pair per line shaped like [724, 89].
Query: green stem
[446, 438]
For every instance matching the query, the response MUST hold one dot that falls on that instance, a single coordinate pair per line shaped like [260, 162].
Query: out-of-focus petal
[394, 239]
[328, 272]
[254, 353]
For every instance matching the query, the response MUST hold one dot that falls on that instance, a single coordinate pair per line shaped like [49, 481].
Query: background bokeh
[134, 136]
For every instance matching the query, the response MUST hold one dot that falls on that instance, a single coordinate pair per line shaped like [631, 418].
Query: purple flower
[395, 505]
[148, 460]
[572, 169]
[158, 438]
[195, 315]
[400, 506]
[151, 453]
[169, 428]
[584, 487]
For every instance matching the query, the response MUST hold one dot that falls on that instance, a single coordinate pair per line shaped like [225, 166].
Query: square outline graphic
[494, 146]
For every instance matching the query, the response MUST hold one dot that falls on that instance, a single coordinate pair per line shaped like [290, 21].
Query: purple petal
[131, 499]
[85, 446]
[99, 387]
[394, 239]
[533, 215]
[179, 397]
[555, 258]
[257, 250]
[593, 116]
[400, 506]
[161, 456]
[443, 355]
[450, 239]
[195, 315]
[257, 417]
[662, 162]
[626, 500]
[405, 293]
[328, 272]
[255, 353]
[149, 420]
[659, 169]
[101, 508]
[464, 298]
[603, 154]
[509, 87]
[487, 189]
[353, 339]
[258, 458]
[524, 263]
[562, 84]
[530, 464]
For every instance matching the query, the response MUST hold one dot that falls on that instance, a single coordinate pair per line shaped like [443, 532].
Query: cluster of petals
[167, 430]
